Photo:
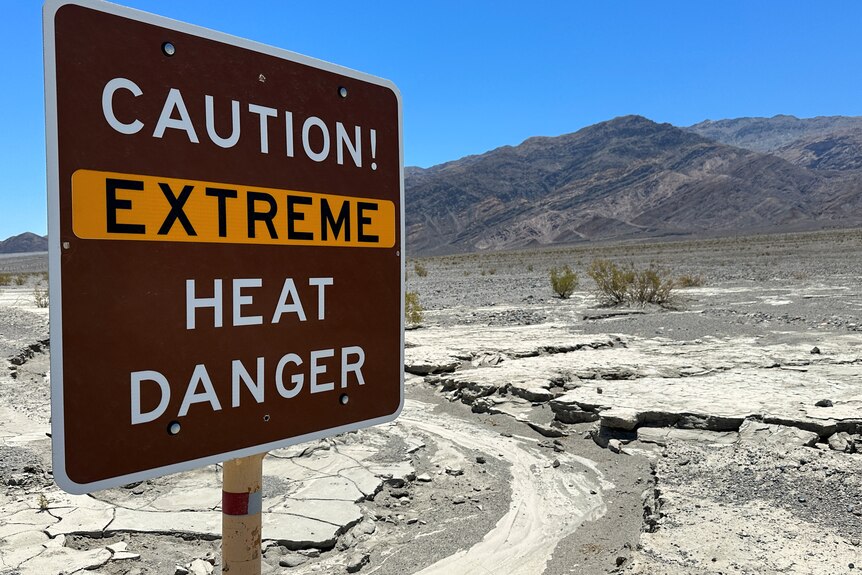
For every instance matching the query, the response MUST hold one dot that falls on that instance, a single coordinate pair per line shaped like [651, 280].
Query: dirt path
[548, 501]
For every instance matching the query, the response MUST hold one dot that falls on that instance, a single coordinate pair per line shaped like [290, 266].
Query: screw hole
[266, 417]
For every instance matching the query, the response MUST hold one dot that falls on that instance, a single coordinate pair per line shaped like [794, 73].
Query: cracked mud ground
[539, 435]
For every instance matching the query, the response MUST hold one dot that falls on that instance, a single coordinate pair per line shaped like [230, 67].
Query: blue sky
[475, 75]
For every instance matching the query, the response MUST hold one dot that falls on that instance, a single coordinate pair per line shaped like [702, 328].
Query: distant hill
[22, 243]
[771, 134]
[840, 150]
[630, 177]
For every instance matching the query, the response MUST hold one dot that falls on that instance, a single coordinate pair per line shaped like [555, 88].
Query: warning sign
[226, 246]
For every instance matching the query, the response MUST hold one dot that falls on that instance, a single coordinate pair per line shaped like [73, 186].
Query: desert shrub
[617, 284]
[412, 308]
[492, 271]
[651, 285]
[612, 281]
[530, 267]
[40, 296]
[563, 281]
[420, 270]
[687, 280]
[6, 279]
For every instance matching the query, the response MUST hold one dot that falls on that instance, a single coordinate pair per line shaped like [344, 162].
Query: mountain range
[631, 177]
[23, 243]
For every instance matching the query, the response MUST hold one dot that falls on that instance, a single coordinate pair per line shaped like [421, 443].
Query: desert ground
[721, 435]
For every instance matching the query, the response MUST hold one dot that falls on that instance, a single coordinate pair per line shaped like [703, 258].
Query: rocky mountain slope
[822, 143]
[771, 134]
[23, 243]
[628, 177]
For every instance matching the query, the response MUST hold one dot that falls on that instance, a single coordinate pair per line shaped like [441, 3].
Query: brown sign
[226, 246]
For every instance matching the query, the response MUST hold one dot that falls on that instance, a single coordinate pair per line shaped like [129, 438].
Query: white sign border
[49, 11]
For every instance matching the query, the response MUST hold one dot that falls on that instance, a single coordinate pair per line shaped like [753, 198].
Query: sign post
[241, 515]
[225, 250]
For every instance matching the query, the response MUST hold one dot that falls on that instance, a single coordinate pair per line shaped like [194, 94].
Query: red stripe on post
[234, 503]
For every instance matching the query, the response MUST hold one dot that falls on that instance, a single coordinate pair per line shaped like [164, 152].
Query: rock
[567, 410]
[180, 570]
[292, 560]
[602, 435]
[481, 460]
[454, 471]
[614, 445]
[357, 561]
[824, 403]
[534, 392]
[661, 436]
[752, 431]
[424, 478]
[367, 526]
[124, 556]
[619, 418]
[200, 567]
[346, 541]
[815, 350]
[555, 464]
[398, 492]
[487, 359]
[841, 441]
[309, 552]
[457, 500]
[64, 560]
[118, 547]
[547, 430]
[427, 368]
[19, 479]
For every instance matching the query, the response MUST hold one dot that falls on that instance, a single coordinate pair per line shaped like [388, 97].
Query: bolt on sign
[226, 246]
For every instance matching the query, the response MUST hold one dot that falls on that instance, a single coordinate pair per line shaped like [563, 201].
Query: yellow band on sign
[114, 206]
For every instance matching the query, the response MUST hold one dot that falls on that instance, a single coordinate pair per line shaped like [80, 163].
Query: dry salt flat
[540, 436]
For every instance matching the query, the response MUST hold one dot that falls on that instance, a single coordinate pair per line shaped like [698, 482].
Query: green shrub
[612, 282]
[651, 285]
[40, 295]
[420, 270]
[690, 281]
[618, 285]
[563, 281]
[412, 308]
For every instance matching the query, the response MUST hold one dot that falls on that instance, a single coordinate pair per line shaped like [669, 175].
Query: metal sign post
[241, 515]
